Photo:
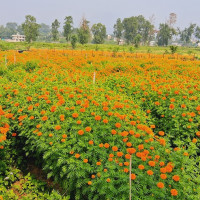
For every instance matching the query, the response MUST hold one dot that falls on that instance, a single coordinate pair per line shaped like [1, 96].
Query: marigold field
[98, 122]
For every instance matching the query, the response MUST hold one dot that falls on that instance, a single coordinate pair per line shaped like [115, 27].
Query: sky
[103, 11]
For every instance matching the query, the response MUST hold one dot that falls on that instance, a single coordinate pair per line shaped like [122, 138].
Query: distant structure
[16, 38]
[109, 37]
[152, 43]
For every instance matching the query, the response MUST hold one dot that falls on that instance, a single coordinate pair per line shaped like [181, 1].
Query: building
[18, 38]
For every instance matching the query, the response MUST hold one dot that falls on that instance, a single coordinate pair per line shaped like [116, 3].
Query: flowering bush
[89, 133]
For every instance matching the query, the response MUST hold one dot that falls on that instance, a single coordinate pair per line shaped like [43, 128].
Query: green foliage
[99, 33]
[165, 34]
[118, 30]
[54, 30]
[68, 28]
[137, 40]
[187, 33]
[30, 28]
[84, 32]
[74, 40]
[173, 49]
[137, 25]
[31, 65]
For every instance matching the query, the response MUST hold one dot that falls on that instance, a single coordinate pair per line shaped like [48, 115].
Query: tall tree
[118, 29]
[44, 29]
[99, 32]
[172, 19]
[30, 28]
[138, 25]
[68, 28]
[197, 32]
[187, 33]
[165, 34]
[54, 29]
[130, 26]
[84, 31]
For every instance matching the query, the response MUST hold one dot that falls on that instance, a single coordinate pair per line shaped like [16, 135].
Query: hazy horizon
[102, 11]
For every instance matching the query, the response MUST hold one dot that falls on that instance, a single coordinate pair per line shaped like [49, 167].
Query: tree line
[135, 30]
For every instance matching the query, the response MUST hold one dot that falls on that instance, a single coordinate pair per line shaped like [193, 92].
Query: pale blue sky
[104, 11]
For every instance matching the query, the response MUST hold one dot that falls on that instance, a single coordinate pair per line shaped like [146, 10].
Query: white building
[18, 38]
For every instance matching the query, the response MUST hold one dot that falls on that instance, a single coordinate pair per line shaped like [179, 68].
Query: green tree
[54, 29]
[137, 25]
[130, 26]
[9, 30]
[197, 32]
[68, 28]
[84, 31]
[99, 32]
[165, 34]
[30, 28]
[187, 33]
[137, 40]
[118, 30]
[74, 40]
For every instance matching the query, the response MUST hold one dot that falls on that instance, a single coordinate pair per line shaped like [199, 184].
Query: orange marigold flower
[89, 182]
[97, 118]
[91, 142]
[163, 176]
[108, 180]
[162, 164]
[88, 129]
[128, 144]
[194, 140]
[126, 163]
[82, 110]
[64, 136]
[105, 121]
[133, 176]
[131, 132]
[161, 133]
[75, 115]
[174, 192]
[127, 156]
[114, 148]
[77, 155]
[78, 122]
[44, 118]
[119, 154]
[149, 172]
[114, 132]
[85, 160]
[58, 127]
[163, 170]
[80, 132]
[126, 170]
[141, 167]
[198, 133]
[118, 125]
[106, 145]
[98, 163]
[152, 163]
[176, 178]
[141, 146]
[160, 185]
[50, 135]
[14, 134]
[131, 150]
[39, 134]
[53, 108]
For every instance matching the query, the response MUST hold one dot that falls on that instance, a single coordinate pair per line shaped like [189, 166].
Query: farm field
[104, 125]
